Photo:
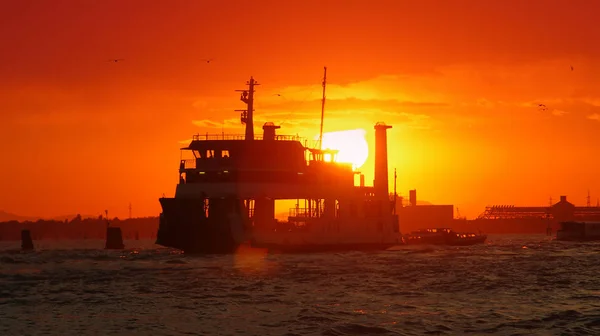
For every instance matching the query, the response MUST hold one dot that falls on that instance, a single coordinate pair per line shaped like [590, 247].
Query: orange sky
[459, 81]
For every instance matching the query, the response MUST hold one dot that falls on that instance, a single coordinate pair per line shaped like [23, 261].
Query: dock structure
[560, 211]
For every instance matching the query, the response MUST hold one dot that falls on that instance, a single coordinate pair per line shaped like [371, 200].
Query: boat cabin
[273, 159]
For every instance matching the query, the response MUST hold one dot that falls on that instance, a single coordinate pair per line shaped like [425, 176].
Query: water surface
[512, 285]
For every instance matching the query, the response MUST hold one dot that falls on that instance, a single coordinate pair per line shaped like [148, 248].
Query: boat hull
[579, 231]
[185, 225]
[468, 241]
[221, 225]
[445, 240]
[324, 248]
[332, 235]
[574, 237]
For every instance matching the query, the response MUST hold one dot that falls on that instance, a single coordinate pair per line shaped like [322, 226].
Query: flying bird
[281, 96]
[116, 60]
[207, 60]
[571, 68]
[542, 107]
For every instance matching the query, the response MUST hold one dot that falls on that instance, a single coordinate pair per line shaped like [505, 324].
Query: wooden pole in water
[114, 236]
[26, 241]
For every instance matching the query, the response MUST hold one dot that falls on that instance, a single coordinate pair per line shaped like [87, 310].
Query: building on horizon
[414, 216]
[563, 210]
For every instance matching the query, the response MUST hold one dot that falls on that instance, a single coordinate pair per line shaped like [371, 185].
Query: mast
[323, 107]
[247, 115]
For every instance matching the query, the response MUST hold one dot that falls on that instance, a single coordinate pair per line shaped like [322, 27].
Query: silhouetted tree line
[79, 228]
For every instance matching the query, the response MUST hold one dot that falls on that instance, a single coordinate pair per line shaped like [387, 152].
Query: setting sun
[352, 146]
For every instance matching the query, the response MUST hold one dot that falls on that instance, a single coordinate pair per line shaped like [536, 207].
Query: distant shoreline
[79, 228]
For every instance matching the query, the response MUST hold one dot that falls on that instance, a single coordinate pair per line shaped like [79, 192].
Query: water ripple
[514, 285]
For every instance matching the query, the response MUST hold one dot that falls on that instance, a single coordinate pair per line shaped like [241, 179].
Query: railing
[304, 212]
[223, 136]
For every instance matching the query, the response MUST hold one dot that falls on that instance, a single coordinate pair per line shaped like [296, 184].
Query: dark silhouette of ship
[578, 231]
[226, 195]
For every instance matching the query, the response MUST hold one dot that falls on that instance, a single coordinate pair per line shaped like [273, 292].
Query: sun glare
[351, 144]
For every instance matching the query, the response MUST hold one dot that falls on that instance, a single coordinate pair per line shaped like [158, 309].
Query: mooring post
[26, 241]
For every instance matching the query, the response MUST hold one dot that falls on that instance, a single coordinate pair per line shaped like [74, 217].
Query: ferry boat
[443, 236]
[226, 195]
[578, 231]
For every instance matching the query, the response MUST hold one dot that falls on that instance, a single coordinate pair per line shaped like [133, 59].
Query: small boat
[578, 231]
[443, 236]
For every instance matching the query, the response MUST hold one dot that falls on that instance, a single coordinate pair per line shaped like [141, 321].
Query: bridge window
[225, 153]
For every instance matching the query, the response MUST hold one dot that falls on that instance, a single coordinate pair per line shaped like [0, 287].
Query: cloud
[299, 113]
[592, 101]
[559, 113]
[480, 96]
[595, 116]
[380, 88]
[340, 118]
[207, 123]
[200, 104]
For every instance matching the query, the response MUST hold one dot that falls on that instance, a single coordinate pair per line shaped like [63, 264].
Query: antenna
[588, 199]
[550, 200]
[323, 107]
[246, 116]
[129, 210]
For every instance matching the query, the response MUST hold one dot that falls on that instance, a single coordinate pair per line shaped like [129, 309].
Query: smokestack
[362, 180]
[412, 197]
[269, 131]
[381, 165]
